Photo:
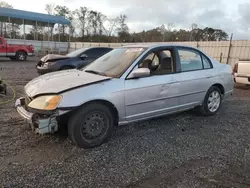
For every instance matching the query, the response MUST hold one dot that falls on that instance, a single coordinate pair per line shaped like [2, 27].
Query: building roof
[31, 16]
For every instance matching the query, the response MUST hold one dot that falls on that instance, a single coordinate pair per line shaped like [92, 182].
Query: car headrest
[146, 63]
[166, 63]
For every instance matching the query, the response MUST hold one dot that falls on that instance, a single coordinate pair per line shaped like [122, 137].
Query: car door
[196, 76]
[151, 96]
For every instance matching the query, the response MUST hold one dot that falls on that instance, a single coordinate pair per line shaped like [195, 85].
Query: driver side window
[152, 57]
[159, 63]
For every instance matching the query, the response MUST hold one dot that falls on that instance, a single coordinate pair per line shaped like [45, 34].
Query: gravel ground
[183, 150]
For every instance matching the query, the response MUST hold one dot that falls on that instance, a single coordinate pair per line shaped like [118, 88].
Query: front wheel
[91, 126]
[212, 102]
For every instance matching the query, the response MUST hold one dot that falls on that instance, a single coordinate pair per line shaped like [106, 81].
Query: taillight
[235, 69]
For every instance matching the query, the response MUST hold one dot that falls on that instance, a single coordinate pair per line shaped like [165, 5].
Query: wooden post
[229, 49]
[221, 54]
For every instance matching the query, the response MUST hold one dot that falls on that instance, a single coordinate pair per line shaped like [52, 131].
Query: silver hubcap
[21, 56]
[214, 101]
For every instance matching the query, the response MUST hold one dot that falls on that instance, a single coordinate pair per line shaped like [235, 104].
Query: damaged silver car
[128, 84]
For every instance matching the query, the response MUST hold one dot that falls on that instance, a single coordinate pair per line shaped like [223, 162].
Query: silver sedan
[128, 84]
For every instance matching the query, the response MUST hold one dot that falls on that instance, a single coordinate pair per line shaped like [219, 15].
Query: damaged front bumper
[41, 124]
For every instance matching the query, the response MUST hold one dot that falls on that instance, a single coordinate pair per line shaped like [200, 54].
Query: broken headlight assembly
[48, 64]
[45, 103]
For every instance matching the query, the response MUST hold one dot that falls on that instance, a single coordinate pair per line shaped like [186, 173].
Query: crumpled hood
[56, 82]
[53, 57]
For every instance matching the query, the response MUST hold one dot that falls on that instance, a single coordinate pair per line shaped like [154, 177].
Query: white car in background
[241, 72]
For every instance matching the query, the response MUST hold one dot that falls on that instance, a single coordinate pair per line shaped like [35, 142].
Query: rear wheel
[91, 126]
[21, 56]
[212, 102]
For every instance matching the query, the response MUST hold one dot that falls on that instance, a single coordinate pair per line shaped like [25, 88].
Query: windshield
[114, 63]
[76, 52]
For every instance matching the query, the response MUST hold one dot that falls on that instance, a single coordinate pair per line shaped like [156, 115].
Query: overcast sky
[229, 15]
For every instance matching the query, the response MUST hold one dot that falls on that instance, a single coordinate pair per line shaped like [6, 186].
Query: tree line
[89, 25]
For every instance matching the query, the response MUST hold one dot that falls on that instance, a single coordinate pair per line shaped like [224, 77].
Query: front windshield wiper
[95, 72]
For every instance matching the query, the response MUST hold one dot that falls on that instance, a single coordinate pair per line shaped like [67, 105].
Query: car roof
[153, 45]
[99, 47]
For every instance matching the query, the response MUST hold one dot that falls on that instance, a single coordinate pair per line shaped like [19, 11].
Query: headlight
[46, 102]
[47, 64]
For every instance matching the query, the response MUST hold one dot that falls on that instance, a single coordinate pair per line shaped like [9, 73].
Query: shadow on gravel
[242, 86]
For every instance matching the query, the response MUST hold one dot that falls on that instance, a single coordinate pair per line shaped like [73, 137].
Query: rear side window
[106, 50]
[96, 52]
[1, 42]
[206, 62]
[190, 60]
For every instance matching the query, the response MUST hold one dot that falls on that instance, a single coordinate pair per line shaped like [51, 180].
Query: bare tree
[71, 18]
[92, 22]
[100, 18]
[82, 17]
[170, 27]
[194, 26]
[50, 8]
[112, 24]
[122, 28]
[162, 29]
[62, 11]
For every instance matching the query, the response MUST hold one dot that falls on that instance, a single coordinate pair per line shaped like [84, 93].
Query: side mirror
[84, 56]
[139, 73]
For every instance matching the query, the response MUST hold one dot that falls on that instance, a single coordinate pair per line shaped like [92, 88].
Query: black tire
[204, 108]
[91, 125]
[21, 56]
[66, 67]
[13, 58]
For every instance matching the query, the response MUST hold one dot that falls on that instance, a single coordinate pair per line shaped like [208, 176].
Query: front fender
[111, 91]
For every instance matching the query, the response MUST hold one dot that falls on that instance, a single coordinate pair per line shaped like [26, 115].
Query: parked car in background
[128, 84]
[75, 59]
[17, 52]
[241, 72]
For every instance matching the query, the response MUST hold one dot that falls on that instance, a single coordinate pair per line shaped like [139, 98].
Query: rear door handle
[209, 76]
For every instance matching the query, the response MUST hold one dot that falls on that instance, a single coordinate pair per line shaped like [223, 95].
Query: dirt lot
[183, 150]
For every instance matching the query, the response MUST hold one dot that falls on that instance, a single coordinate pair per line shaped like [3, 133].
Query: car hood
[53, 57]
[57, 82]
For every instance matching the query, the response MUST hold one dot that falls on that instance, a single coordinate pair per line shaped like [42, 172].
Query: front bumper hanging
[39, 124]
